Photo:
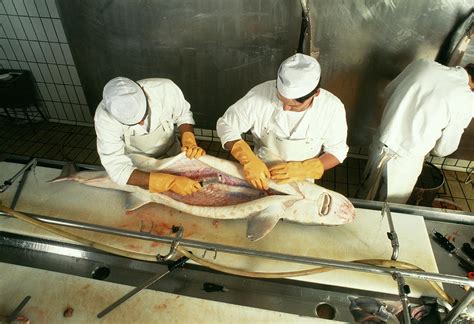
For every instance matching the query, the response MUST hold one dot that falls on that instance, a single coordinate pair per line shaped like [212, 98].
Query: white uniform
[429, 106]
[166, 107]
[287, 135]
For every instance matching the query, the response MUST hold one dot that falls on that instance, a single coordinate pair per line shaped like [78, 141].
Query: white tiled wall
[32, 38]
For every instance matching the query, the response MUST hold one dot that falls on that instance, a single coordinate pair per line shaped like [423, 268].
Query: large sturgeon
[227, 195]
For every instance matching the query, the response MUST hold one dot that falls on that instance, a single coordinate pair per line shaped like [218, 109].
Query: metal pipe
[460, 306]
[392, 235]
[403, 291]
[435, 214]
[19, 189]
[456, 280]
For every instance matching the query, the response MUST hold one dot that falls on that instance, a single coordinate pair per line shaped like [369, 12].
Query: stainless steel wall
[365, 44]
[216, 50]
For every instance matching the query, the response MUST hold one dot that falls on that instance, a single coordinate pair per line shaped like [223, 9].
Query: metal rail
[460, 306]
[434, 214]
[415, 274]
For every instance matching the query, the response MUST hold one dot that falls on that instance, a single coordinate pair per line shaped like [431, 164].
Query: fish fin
[260, 224]
[134, 202]
[68, 172]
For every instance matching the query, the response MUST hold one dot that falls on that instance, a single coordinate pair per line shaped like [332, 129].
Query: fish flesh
[227, 195]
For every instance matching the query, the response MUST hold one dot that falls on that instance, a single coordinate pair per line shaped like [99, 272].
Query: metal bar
[403, 291]
[456, 280]
[435, 214]
[131, 293]
[18, 309]
[8, 157]
[392, 235]
[19, 189]
[460, 306]
[143, 286]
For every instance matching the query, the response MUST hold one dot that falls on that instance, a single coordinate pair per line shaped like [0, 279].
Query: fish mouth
[324, 203]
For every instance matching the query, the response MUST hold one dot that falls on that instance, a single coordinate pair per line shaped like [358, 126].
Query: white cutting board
[88, 297]
[365, 238]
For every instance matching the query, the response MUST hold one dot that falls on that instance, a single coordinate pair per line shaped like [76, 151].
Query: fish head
[333, 208]
[318, 205]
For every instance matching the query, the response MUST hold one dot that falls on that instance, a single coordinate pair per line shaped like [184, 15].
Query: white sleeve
[111, 148]
[449, 140]
[336, 137]
[181, 108]
[238, 119]
[460, 115]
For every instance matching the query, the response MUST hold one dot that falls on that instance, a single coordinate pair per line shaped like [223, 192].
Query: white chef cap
[125, 100]
[298, 75]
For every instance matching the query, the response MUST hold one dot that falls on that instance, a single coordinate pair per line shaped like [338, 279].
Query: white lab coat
[167, 106]
[429, 106]
[324, 123]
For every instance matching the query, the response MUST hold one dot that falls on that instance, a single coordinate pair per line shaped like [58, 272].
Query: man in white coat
[299, 129]
[429, 106]
[139, 117]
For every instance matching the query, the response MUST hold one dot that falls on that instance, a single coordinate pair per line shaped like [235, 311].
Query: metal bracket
[174, 245]
[205, 251]
[392, 235]
[468, 178]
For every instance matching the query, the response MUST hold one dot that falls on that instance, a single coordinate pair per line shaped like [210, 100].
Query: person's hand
[189, 145]
[255, 171]
[160, 182]
[297, 171]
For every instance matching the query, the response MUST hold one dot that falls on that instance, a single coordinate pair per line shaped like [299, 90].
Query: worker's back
[422, 101]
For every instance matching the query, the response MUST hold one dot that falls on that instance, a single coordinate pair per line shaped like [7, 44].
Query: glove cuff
[160, 182]
[188, 139]
[315, 167]
[242, 152]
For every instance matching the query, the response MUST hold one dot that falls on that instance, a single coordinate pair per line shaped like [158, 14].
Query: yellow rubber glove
[297, 171]
[255, 171]
[160, 182]
[189, 145]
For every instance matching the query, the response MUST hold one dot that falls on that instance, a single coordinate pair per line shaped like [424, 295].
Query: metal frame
[434, 214]
[346, 265]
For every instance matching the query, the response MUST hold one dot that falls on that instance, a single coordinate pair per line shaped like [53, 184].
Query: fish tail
[68, 172]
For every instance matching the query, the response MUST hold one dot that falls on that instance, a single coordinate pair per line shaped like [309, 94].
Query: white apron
[272, 148]
[159, 143]
[375, 170]
[388, 176]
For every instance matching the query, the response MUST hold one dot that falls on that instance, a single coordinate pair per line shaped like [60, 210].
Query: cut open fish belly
[227, 195]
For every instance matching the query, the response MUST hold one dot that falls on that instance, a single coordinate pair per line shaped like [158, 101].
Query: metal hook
[174, 245]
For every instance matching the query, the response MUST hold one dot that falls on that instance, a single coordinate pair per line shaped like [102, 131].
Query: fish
[225, 194]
